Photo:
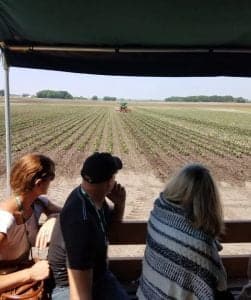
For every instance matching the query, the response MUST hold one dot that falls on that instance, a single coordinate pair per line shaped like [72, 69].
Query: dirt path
[143, 187]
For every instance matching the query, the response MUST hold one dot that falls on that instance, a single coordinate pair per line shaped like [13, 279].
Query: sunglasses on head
[49, 176]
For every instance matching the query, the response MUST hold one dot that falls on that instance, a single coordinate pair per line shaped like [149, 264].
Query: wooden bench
[128, 269]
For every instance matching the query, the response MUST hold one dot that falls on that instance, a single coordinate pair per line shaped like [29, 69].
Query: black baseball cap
[100, 167]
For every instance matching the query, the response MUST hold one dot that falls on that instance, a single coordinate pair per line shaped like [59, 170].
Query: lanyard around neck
[98, 212]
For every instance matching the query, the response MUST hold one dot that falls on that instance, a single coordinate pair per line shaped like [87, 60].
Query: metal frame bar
[7, 122]
[118, 49]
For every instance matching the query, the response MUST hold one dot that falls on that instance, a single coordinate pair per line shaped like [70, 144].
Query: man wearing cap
[78, 248]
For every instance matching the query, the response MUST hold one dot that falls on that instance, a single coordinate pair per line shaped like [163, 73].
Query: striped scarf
[180, 262]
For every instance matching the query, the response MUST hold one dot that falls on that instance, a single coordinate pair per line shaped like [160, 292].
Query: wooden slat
[134, 232]
[237, 232]
[128, 232]
[236, 265]
[129, 268]
[126, 269]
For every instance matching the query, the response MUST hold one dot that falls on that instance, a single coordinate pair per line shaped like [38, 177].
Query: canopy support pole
[7, 123]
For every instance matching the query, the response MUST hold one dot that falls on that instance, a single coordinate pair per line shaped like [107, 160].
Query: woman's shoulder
[7, 219]
[5, 215]
[170, 214]
[42, 200]
[165, 204]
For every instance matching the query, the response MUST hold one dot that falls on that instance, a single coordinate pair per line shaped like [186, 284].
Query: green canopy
[151, 38]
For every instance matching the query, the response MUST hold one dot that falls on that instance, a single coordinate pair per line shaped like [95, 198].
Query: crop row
[49, 133]
[199, 140]
[156, 135]
[90, 132]
[72, 135]
[223, 121]
[149, 141]
[214, 143]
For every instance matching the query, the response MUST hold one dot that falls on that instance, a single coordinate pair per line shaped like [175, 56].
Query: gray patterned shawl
[180, 262]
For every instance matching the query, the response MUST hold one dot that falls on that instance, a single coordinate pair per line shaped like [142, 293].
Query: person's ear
[109, 182]
[106, 184]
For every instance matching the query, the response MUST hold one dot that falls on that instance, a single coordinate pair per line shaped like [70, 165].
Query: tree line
[67, 95]
[201, 98]
[63, 95]
[54, 94]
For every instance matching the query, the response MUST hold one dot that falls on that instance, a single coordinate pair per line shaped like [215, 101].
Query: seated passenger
[181, 259]
[19, 215]
[78, 248]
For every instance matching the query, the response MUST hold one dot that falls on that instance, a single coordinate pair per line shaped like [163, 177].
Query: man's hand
[118, 197]
[117, 194]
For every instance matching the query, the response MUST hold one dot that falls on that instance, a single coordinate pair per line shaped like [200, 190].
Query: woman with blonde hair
[181, 258]
[19, 214]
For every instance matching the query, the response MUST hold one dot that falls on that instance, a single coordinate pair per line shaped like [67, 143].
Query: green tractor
[123, 107]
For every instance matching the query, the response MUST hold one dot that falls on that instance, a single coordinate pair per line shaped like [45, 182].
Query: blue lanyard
[98, 212]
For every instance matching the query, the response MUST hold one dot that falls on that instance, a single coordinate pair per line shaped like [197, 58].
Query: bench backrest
[134, 232]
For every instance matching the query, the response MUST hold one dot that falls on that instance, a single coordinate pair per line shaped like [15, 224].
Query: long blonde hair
[194, 188]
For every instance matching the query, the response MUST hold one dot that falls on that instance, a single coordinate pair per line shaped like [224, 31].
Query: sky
[140, 88]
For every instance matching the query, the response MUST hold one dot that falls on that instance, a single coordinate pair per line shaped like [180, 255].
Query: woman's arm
[44, 234]
[13, 280]
[52, 209]
[38, 271]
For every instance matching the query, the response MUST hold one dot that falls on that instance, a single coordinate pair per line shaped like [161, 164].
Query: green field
[163, 135]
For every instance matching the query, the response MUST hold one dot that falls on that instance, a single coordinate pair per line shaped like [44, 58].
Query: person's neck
[26, 200]
[96, 194]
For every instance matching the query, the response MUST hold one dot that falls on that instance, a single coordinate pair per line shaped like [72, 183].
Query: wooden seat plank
[134, 232]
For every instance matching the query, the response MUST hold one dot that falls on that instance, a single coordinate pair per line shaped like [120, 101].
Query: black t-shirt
[78, 240]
